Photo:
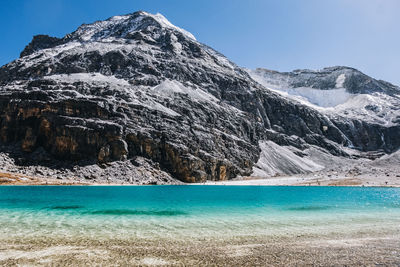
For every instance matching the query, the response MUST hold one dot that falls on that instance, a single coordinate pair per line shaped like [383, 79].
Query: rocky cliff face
[138, 86]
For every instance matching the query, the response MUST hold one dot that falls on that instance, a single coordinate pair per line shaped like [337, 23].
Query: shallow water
[179, 212]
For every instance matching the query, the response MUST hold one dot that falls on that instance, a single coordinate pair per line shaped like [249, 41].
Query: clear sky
[275, 34]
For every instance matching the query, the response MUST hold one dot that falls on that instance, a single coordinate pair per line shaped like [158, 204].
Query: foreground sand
[361, 249]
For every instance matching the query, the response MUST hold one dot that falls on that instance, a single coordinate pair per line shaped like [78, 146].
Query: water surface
[194, 211]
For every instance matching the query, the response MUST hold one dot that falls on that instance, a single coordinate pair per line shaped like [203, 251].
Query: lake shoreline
[312, 179]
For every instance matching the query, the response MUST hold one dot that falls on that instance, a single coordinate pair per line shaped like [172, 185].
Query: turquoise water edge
[194, 211]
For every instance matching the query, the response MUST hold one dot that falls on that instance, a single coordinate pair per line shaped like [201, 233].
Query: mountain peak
[109, 30]
[164, 22]
[123, 26]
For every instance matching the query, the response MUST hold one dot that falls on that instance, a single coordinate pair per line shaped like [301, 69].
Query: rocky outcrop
[136, 86]
[40, 42]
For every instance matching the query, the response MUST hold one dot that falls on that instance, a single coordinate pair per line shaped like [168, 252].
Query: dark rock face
[40, 42]
[137, 86]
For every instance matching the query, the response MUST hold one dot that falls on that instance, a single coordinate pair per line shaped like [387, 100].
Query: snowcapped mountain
[137, 87]
[339, 91]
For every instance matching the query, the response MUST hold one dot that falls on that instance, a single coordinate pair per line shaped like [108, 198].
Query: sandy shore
[7, 178]
[310, 180]
[362, 249]
[313, 179]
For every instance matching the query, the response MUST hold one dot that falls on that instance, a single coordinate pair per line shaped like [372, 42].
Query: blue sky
[281, 34]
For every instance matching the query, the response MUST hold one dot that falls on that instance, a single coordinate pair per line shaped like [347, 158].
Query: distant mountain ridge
[137, 86]
[351, 79]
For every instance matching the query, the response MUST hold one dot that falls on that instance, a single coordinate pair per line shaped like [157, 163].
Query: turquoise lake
[194, 211]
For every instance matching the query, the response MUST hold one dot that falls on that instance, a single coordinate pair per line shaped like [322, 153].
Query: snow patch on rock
[170, 88]
[88, 77]
[119, 85]
[340, 80]
[320, 98]
[165, 23]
